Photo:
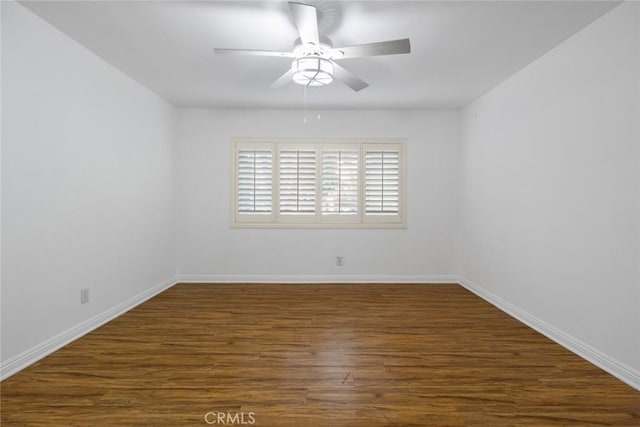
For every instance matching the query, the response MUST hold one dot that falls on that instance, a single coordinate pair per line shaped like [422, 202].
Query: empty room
[320, 213]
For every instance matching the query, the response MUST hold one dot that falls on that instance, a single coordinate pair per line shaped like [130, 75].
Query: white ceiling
[459, 49]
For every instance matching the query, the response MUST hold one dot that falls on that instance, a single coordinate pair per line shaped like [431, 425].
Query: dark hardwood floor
[316, 355]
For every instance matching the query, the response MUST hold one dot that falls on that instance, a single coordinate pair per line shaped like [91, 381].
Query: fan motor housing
[321, 50]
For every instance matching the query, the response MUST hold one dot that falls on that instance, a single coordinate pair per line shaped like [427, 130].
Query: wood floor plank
[316, 355]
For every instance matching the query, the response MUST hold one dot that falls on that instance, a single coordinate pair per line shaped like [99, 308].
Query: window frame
[276, 219]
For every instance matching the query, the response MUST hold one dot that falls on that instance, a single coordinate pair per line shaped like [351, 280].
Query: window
[381, 181]
[339, 184]
[298, 170]
[254, 184]
[318, 183]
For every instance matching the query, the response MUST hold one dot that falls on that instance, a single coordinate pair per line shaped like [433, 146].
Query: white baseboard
[24, 359]
[603, 361]
[213, 278]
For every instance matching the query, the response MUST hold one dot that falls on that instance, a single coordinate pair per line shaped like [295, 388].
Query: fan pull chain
[305, 104]
[305, 118]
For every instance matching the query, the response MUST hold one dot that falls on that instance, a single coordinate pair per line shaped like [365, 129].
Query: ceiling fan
[314, 57]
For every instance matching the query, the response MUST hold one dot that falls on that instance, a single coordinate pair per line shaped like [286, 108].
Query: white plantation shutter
[340, 181]
[316, 183]
[382, 182]
[297, 181]
[254, 183]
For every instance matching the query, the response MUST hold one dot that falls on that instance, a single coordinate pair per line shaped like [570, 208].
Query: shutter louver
[254, 181]
[297, 182]
[340, 182]
[382, 182]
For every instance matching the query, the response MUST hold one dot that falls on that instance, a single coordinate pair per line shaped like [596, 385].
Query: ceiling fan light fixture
[314, 56]
[312, 71]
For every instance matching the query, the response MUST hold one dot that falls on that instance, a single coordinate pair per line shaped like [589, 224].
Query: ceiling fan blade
[391, 47]
[252, 52]
[283, 79]
[306, 19]
[348, 78]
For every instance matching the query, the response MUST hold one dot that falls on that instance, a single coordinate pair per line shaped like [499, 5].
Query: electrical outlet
[339, 261]
[84, 295]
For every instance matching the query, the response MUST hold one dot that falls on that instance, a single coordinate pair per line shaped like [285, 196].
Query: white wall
[210, 250]
[86, 184]
[549, 204]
